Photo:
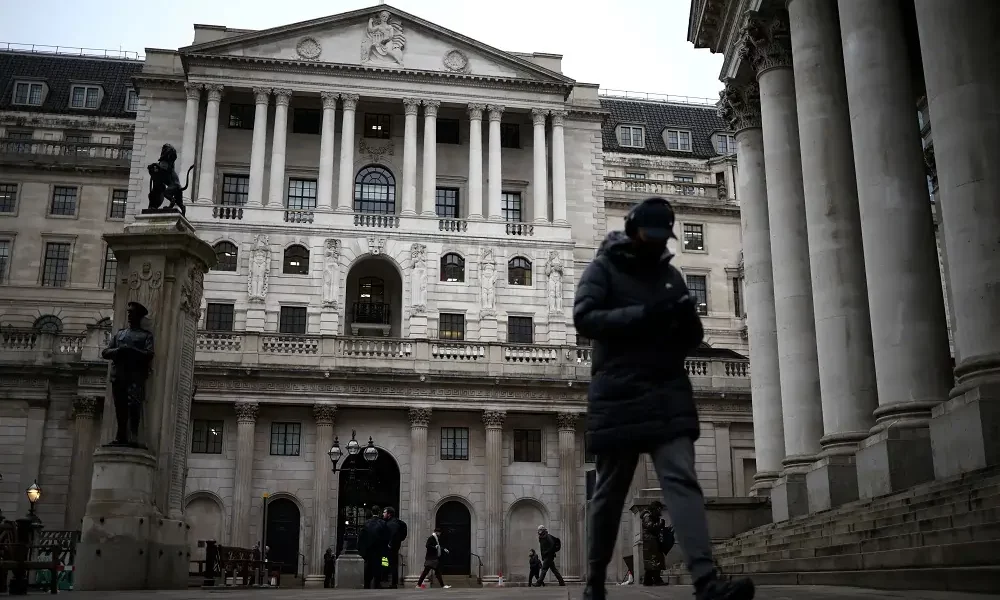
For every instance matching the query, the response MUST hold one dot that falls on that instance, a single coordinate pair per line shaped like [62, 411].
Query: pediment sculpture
[384, 41]
[260, 265]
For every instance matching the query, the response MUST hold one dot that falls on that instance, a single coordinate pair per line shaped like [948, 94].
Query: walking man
[373, 544]
[636, 308]
[397, 535]
[432, 558]
[329, 564]
[548, 546]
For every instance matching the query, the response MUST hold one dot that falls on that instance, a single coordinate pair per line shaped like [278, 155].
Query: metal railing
[71, 51]
[479, 575]
[654, 97]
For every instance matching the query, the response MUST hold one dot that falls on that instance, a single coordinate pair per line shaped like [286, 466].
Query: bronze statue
[130, 353]
[164, 184]
[652, 554]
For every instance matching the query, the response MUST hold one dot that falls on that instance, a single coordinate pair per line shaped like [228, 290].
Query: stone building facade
[400, 214]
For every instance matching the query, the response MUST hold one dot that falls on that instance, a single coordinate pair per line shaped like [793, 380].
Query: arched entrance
[522, 534]
[374, 298]
[456, 535]
[283, 521]
[370, 484]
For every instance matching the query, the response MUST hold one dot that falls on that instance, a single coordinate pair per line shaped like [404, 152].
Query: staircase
[943, 535]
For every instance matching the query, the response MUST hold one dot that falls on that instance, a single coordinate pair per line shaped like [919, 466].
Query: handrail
[479, 578]
[71, 51]
[654, 97]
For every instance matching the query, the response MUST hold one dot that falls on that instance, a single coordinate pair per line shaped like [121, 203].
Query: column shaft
[324, 414]
[568, 509]
[31, 459]
[209, 144]
[324, 183]
[189, 141]
[495, 184]
[411, 107]
[262, 97]
[276, 186]
[430, 158]
[417, 519]
[81, 469]
[558, 168]
[493, 419]
[476, 161]
[345, 199]
[539, 182]
[246, 420]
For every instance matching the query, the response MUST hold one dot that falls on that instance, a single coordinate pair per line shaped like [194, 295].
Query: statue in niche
[554, 275]
[418, 279]
[164, 184]
[260, 263]
[131, 353]
[487, 283]
[384, 42]
[331, 262]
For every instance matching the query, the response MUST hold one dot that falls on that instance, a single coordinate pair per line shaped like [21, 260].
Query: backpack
[401, 532]
[556, 544]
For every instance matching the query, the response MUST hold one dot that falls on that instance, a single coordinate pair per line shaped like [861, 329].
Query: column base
[407, 213]
[789, 497]
[763, 483]
[832, 481]
[894, 459]
[965, 431]
[344, 209]
[350, 574]
[315, 581]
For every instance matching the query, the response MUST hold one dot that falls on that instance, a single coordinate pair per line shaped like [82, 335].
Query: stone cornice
[655, 162]
[159, 82]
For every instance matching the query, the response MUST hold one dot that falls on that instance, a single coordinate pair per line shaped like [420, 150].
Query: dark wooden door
[283, 534]
[456, 535]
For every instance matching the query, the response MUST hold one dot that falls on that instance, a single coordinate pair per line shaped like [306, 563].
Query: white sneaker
[446, 587]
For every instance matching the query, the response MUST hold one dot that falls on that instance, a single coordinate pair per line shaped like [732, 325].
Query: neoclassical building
[399, 215]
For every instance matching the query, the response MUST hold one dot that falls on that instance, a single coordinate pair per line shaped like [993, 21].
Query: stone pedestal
[329, 321]
[965, 432]
[488, 328]
[832, 481]
[789, 497]
[350, 574]
[557, 328]
[256, 317]
[894, 459]
[418, 325]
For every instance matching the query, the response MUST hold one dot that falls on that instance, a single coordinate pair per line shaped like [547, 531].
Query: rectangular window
[206, 437]
[285, 438]
[678, 140]
[28, 93]
[377, 126]
[446, 203]
[687, 190]
[292, 320]
[454, 443]
[520, 330]
[301, 194]
[447, 131]
[510, 207]
[8, 197]
[109, 270]
[634, 175]
[235, 190]
[510, 135]
[219, 317]
[63, 201]
[55, 267]
[84, 96]
[119, 202]
[4, 260]
[307, 120]
[241, 116]
[78, 144]
[725, 144]
[527, 445]
[451, 326]
[694, 237]
[698, 289]
[737, 299]
[588, 456]
[131, 101]
[631, 136]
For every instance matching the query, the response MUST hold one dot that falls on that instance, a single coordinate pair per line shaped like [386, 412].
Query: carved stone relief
[260, 265]
[739, 105]
[308, 48]
[554, 275]
[144, 287]
[374, 150]
[376, 246]
[384, 42]
[191, 292]
[456, 61]
[418, 279]
[487, 284]
[331, 273]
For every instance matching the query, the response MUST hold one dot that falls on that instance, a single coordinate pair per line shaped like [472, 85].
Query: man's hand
[662, 310]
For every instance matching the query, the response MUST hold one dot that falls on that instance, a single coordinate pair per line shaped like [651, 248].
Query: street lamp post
[34, 494]
[26, 527]
[370, 454]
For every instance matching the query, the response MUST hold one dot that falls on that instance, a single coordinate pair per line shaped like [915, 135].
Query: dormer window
[631, 136]
[678, 140]
[85, 96]
[29, 93]
[725, 143]
[131, 101]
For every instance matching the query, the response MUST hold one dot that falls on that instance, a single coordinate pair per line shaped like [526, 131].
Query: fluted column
[740, 107]
[411, 107]
[345, 197]
[476, 160]
[770, 56]
[81, 469]
[417, 519]
[558, 168]
[493, 419]
[569, 513]
[539, 181]
[324, 183]
[325, 413]
[495, 184]
[246, 421]
[276, 187]
[430, 157]
[189, 141]
[262, 96]
[905, 299]
[209, 144]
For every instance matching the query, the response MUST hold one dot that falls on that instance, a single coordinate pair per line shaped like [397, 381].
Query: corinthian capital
[262, 95]
[558, 118]
[193, 90]
[214, 91]
[246, 412]
[431, 107]
[538, 116]
[324, 413]
[766, 43]
[567, 421]
[350, 101]
[476, 111]
[411, 106]
[282, 96]
[493, 419]
[329, 99]
[420, 417]
[739, 105]
[496, 112]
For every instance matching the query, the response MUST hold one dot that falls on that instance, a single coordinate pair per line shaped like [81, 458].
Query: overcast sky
[637, 45]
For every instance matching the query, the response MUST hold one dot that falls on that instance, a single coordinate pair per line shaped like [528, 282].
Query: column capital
[567, 420]
[214, 91]
[193, 90]
[496, 112]
[420, 416]
[282, 96]
[476, 111]
[246, 412]
[325, 413]
[493, 419]
[262, 95]
[431, 107]
[329, 99]
[766, 42]
[538, 116]
[739, 105]
[350, 101]
[84, 407]
[558, 118]
[411, 106]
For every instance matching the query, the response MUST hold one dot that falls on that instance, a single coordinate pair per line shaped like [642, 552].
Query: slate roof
[701, 121]
[114, 74]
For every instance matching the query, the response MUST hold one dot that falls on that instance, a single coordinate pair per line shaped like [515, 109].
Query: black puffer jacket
[640, 395]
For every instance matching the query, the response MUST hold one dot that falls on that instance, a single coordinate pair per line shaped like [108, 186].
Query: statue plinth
[134, 535]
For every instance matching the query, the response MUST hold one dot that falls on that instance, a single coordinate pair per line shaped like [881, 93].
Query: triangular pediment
[379, 37]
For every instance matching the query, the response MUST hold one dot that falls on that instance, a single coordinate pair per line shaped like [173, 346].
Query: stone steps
[952, 579]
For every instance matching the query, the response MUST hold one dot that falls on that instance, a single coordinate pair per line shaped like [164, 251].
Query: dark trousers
[682, 496]
[550, 564]
[427, 569]
[533, 575]
[394, 567]
[328, 578]
[373, 572]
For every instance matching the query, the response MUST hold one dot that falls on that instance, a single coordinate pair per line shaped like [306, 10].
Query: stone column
[209, 144]
[476, 161]
[411, 107]
[740, 107]
[31, 459]
[262, 96]
[324, 183]
[417, 519]
[493, 547]
[428, 196]
[81, 470]
[770, 56]
[324, 413]
[836, 257]
[246, 421]
[558, 168]
[912, 365]
[495, 183]
[960, 51]
[345, 197]
[569, 513]
[276, 185]
[539, 181]
[189, 141]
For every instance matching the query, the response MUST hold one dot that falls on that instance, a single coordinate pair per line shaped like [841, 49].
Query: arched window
[375, 191]
[225, 255]
[452, 267]
[519, 271]
[296, 261]
[371, 290]
[48, 324]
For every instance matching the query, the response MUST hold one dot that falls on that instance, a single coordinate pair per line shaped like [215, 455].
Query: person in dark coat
[329, 564]
[397, 535]
[636, 308]
[534, 567]
[548, 546]
[373, 544]
[432, 558]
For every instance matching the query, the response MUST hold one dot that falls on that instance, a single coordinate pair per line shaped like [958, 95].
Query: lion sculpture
[164, 184]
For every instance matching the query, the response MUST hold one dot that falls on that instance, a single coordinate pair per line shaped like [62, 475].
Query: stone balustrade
[658, 187]
[57, 154]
